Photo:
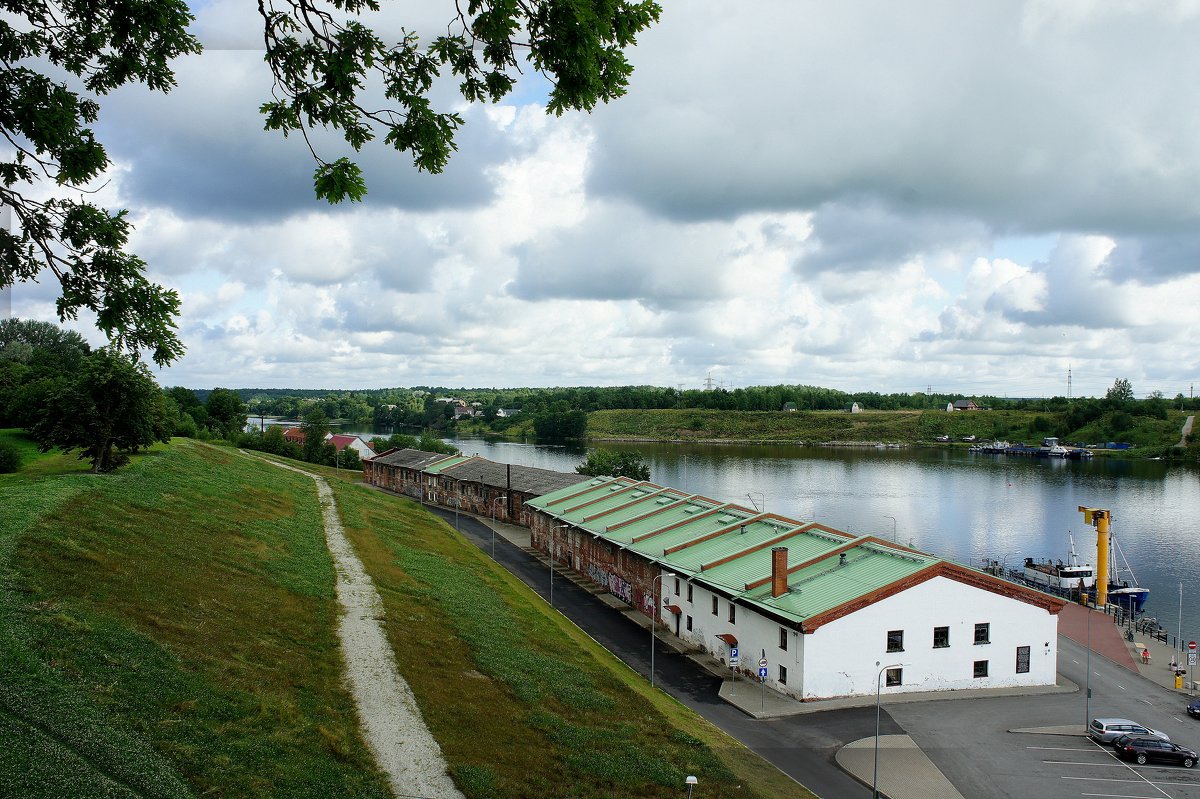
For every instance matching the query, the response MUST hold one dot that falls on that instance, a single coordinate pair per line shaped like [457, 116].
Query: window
[983, 633]
[783, 675]
[895, 641]
[981, 668]
[689, 623]
[714, 606]
[941, 637]
[676, 586]
[689, 592]
[893, 677]
[732, 613]
[1022, 660]
[783, 638]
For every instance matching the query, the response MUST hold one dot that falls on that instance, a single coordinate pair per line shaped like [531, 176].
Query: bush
[10, 458]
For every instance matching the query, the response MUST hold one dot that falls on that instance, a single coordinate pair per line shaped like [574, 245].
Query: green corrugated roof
[613, 508]
[452, 460]
[826, 585]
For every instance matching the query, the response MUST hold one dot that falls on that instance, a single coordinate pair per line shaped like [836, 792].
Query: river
[959, 505]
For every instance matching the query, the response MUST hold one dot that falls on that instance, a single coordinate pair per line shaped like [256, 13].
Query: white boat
[1059, 576]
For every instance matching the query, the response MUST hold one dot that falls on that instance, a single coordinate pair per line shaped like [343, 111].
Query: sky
[969, 197]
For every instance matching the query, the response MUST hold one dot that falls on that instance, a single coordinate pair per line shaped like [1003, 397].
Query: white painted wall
[841, 655]
[839, 658]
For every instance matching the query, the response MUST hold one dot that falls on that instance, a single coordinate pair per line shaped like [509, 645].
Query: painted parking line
[1061, 748]
[1120, 795]
[1139, 782]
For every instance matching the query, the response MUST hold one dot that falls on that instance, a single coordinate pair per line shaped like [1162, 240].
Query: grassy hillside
[169, 631]
[912, 427]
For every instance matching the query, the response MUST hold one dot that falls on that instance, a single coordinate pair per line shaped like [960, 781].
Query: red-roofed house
[295, 435]
[341, 441]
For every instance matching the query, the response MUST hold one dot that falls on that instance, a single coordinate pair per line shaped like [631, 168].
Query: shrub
[10, 458]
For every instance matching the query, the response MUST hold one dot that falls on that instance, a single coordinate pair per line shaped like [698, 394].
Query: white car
[1105, 730]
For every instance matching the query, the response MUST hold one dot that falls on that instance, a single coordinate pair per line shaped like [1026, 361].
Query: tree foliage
[328, 68]
[110, 408]
[226, 412]
[616, 463]
[315, 427]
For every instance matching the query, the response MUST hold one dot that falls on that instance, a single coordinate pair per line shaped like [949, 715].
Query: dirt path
[1187, 431]
[391, 721]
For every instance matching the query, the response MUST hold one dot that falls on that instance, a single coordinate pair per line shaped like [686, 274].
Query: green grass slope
[169, 631]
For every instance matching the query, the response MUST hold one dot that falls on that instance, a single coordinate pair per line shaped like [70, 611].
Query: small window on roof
[637, 494]
[614, 488]
[597, 482]
[690, 509]
[662, 500]
[725, 519]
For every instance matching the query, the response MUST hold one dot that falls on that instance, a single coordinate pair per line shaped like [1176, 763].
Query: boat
[1060, 577]
[1066, 579]
[1052, 449]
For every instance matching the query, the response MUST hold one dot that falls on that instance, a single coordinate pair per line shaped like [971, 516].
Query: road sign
[762, 673]
[1191, 658]
[733, 653]
[733, 662]
[1192, 646]
[762, 664]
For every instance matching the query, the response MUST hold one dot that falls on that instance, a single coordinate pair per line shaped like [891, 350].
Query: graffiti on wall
[617, 586]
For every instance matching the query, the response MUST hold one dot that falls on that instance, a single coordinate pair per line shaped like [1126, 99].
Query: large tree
[108, 409]
[615, 463]
[226, 412]
[328, 65]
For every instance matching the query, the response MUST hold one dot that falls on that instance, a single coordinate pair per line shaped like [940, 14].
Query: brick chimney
[779, 571]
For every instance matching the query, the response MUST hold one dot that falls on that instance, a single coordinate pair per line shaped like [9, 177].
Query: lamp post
[691, 783]
[653, 621]
[893, 518]
[494, 501]
[878, 686]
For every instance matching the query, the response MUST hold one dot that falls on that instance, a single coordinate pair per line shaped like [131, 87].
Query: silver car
[1104, 730]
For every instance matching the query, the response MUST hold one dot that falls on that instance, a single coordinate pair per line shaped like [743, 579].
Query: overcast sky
[861, 195]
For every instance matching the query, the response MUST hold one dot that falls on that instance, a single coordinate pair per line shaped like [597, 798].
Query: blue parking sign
[733, 653]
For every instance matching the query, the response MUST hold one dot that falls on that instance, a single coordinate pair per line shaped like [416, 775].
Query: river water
[955, 504]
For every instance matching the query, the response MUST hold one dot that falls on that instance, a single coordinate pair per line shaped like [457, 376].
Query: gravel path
[387, 709]
[1187, 431]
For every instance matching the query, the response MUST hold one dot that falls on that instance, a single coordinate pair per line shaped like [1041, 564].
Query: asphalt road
[801, 746]
[969, 739]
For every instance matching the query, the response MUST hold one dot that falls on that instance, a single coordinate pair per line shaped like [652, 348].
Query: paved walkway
[1109, 640]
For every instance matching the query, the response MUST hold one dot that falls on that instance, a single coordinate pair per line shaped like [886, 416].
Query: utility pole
[1068, 383]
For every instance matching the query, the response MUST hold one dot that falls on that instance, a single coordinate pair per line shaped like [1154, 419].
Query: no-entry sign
[1192, 645]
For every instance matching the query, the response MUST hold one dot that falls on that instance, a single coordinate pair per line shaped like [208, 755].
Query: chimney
[842, 559]
[779, 571]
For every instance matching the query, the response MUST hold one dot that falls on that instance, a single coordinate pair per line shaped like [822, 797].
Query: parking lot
[1080, 767]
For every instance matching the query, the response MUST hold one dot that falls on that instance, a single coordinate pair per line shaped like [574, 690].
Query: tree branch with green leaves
[325, 62]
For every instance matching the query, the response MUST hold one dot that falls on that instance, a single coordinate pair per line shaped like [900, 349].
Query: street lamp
[494, 501]
[893, 518]
[878, 680]
[691, 783]
[653, 621]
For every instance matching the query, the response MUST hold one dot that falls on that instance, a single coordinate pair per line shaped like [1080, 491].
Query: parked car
[1105, 730]
[942, 438]
[1193, 709]
[1141, 750]
[968, 438]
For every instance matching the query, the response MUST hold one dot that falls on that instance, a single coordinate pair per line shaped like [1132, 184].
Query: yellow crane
[1099, 518]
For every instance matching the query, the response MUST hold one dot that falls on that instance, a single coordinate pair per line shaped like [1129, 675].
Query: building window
[983, 633]
[1022, 660]
[893, 677]
[783, 675]
[676, 586]
[783, 638]
[689, 592]
[895, 641]
[714, 605]
[981, 668]
[941, 637]
[689, 623]
[732, 613]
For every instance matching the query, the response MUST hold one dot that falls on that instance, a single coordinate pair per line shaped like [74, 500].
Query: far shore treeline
[67, 396]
